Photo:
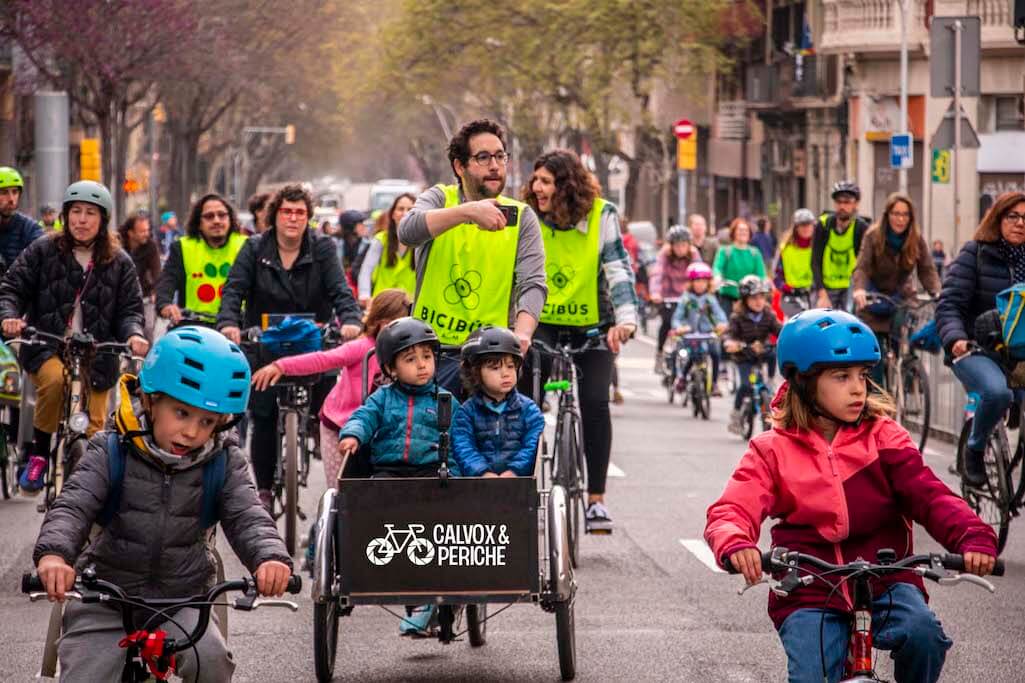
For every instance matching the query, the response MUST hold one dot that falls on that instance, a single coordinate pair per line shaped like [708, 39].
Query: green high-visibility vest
[206, 271]
[571, 267]
[400, 276]
[838, 258]
[468, 278]
[797, 266]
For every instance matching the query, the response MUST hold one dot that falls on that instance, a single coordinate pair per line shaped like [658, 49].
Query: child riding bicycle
[148, 486]
[399, 421]
[844, 480]
[496, 431]
[699, 312]
[751, 326]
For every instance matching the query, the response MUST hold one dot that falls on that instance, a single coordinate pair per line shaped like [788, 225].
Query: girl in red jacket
[843, 480]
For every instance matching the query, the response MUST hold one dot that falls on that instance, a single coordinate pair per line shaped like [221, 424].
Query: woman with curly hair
[584, 248]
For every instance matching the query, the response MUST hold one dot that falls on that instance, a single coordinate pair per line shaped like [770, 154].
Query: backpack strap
[116, 470]
[213, 486]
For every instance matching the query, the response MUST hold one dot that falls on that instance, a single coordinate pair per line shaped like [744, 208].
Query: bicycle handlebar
[779, 559]
[911, 304]
[567, 350]
[91, 590]
[77, 342]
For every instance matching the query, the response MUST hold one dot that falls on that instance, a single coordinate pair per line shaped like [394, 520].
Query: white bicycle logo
[420, 551]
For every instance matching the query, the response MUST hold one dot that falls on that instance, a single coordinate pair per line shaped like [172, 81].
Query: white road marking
[615, 472]
[550, 420]
[625, 363]
[645, 338]
[627, 393]
[700, 550]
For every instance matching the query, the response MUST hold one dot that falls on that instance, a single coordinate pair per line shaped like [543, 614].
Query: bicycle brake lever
[70, 595]
[247, 603]
[969, 578]
[745, 588]
[260, 602]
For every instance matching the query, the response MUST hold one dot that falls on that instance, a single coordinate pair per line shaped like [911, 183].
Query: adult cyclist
[479, 255]
[17, 230]
[198, 264]
[590, 287]
[836, 246]
[669, 279]
[288, 269]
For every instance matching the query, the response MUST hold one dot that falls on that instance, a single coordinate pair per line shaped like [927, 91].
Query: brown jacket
[882, 272]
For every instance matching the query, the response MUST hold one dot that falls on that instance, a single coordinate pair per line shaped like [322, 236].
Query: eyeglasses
[484, 158]
[293, 213]
[1013, 218]
[210, 215]
[900, 214]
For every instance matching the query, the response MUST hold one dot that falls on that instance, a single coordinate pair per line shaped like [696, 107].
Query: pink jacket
[839, 501]
[346, 396]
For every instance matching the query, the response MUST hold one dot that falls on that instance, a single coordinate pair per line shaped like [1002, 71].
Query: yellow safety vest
[838, 258]
[206, 271]
[400, 276]
[797, 266]
[468, 277]
[571, 267]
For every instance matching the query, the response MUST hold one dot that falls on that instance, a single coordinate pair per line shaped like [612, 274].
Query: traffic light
[290, 134]
[89, 159]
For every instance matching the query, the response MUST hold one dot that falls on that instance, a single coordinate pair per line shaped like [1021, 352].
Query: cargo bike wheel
[562, 585]
[326, 610]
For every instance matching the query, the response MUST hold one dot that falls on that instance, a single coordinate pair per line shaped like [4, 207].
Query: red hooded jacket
[839, 502]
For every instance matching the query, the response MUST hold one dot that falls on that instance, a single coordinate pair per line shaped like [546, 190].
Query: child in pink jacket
[346, 396]
[843, 480]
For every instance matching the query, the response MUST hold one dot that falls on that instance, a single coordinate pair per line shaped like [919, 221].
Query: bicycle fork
[859, 650]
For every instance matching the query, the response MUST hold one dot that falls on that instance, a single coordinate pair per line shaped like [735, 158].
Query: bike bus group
[171, 381]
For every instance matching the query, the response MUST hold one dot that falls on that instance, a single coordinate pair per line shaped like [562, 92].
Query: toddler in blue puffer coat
[497, 430]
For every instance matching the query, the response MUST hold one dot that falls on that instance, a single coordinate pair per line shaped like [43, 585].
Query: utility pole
[902, 173]
[954, 166]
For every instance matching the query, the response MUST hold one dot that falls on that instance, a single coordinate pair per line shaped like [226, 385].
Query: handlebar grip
[295, 584]
[30, 583]
[956, 563]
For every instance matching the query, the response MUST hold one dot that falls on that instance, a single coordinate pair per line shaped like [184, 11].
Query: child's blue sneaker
[417, 625]
[34, 475]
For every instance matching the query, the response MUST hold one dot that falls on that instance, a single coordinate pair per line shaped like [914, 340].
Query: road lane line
[614, 471]
[699, 549]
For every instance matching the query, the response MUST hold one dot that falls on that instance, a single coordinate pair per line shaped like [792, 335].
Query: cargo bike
[465, 545]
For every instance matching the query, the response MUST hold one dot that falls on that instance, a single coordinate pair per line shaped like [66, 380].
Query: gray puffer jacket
[154, 545]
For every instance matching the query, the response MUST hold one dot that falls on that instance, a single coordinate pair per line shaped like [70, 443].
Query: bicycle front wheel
[992, 501]
[569, 476]
[291, 466]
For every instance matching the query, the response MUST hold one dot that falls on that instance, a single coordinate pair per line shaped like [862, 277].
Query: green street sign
[941, 166]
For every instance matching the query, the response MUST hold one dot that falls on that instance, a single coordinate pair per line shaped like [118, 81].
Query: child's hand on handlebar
[172, 313]
[749, 563]
[979, 564]
[56, 575]
[272, 578]
[348, 445]
[267, 376]
[732, 346]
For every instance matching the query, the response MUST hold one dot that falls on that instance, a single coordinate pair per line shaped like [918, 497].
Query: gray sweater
[529, 286]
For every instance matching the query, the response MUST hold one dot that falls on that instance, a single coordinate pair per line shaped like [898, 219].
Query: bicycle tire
[922, 412]
[477, 624]
[993, 504]
[700, 395]
[6, 471]
[570, 480]
[325, 638]
[291, 466]
[764, 409]
[749, 418]
[566, 638]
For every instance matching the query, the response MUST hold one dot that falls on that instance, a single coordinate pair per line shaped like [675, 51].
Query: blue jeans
[906, 627]
[982, 376]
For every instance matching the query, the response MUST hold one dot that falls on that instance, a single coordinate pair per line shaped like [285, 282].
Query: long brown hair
[793, 411]
[393, 233]
[908, 256]
[575, 187]
[388, 305]
[989, 227]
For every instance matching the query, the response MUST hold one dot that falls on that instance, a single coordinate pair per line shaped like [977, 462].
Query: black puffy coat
[42, 285]
[970, 286]
[315, 283]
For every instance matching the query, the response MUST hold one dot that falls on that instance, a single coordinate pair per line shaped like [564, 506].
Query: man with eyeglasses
[288, 270]
[479, 255]
[197, 265]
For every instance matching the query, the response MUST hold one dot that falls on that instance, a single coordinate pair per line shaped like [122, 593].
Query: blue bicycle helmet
[200, 367]
[823, 337]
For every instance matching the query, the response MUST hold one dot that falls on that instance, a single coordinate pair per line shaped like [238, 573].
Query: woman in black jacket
[994, 260]
[288, 269]
[76, 280]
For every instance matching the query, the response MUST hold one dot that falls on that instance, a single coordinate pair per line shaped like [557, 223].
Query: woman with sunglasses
[993, 260]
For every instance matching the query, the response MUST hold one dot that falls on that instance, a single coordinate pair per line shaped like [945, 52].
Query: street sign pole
[681, 192]
[902, 174]
[955, 166]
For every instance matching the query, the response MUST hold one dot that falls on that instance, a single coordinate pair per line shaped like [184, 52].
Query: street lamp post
[902, 173]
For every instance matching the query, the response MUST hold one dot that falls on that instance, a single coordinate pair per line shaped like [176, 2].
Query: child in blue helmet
[843, 480]
[171, 453]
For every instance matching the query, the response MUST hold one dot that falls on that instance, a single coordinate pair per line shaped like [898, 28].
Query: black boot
[974, 468]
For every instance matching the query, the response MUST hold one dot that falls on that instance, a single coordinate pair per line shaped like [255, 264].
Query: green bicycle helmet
[9, 177]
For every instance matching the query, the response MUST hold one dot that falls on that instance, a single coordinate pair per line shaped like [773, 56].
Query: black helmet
[399, 335]
[846, 187]
[348, 220]
[488, 340]
[677, 234]
[752, 284]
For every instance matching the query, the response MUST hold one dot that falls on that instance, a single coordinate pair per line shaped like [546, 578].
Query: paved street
[649, 606]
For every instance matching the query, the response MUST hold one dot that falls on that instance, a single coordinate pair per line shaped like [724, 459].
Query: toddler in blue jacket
[495, 434]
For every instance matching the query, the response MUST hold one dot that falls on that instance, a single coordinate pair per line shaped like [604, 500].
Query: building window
[1010, 113]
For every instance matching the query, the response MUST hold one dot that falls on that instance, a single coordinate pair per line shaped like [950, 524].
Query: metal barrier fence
[948, 400]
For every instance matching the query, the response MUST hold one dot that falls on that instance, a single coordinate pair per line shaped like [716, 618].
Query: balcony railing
[869, 25]
[809, 76]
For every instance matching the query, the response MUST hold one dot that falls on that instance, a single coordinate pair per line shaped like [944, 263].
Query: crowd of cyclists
[450, 291]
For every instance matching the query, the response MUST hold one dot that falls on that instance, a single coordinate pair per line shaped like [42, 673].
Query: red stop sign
[683, 129]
